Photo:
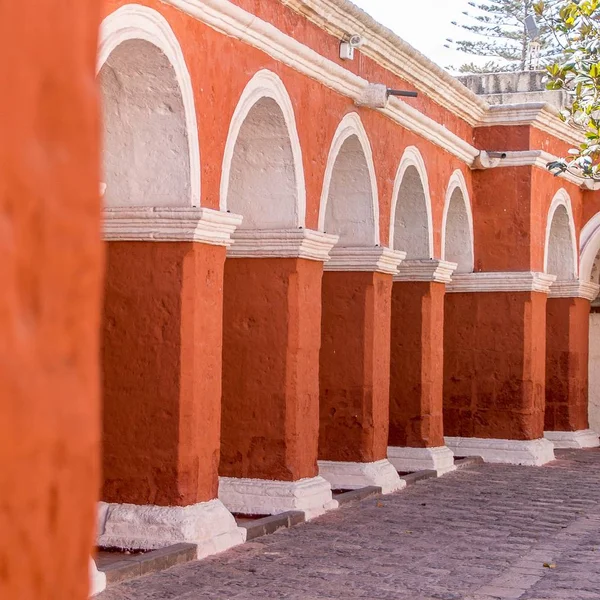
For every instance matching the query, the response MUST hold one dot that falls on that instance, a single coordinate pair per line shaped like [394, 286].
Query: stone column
[416, 440]
[272, 336]
[567, 352]
[162, 379]
[494, 366]
[355, 369]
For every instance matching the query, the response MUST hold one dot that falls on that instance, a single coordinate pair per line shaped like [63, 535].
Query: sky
[426, 29]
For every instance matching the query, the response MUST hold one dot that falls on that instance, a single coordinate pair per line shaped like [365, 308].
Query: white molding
[377, 260]
[133, 22]
[584, 438]
[404, 459]
[412, 158]
[265, 497]
[562, 198]
[533, 453]
[574, 289]
[353, 476]
[589, 244]
[501, 281]
[351, 125]
[282, 243]
[147, 224]
[208, 524]
[433, 270]
[97, 579]
[265, 84]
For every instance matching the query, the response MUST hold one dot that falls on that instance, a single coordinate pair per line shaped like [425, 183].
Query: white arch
[562, 198]
[266, 84]
[351, 125]
[412, 158]
[590, 247]
[457, 182]
[137, 22]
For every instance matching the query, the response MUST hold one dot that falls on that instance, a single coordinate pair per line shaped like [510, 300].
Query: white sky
[425, 27]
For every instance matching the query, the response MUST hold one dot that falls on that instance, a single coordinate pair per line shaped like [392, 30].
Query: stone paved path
[477, 534]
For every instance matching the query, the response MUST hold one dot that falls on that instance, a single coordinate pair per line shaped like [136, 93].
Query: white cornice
[510, 281]
[147, 224]
[377, 260]
[282, 243]
[431, 270]
[574, 289]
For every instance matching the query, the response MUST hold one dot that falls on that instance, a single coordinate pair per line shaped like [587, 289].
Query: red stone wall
[50, 302]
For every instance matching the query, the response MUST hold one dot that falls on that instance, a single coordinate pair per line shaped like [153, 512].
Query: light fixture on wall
[347, 47]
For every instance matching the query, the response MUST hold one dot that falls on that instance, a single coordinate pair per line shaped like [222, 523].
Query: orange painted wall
[417, 365]
[355, 366]
[162, 372]
[494, 365]
[272, 333]
[50, 302]
[567, 352]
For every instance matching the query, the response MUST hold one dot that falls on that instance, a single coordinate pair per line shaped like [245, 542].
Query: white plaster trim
[266, 84]
[208, 524]
[97, 579]
[282, 243]
[379, 260]
[584, 438]
[562, 198]
[533, 453]
[265, 497]
[133, 22]
[457, 180]
[353, 476]
[574, 289]
[351, 125]
[589, 247]
[509, 281]
[147, 224]
[412, 158]
[404, 459]
[433, 270]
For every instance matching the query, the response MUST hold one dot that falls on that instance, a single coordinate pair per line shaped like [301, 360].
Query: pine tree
[501, 35]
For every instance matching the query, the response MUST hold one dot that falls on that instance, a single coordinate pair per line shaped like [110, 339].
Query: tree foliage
[576, 24]
[500, 34]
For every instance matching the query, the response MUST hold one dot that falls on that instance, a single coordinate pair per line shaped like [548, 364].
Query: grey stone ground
[477, 534]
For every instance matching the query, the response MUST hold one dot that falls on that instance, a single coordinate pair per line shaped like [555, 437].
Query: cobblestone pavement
[482, 533]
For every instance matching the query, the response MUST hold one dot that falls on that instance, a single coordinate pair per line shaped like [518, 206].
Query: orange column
[272, 335]
[162, 380]
[355, 369]
[494, 367]
[50, 303]
[416, 440]
[567, 349]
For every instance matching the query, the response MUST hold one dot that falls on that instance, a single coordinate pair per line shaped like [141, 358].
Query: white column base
[265, 497]
[584, 438]
[97, 579]
[208, 524]
[352, 476]
[440, 459]
[534, 453]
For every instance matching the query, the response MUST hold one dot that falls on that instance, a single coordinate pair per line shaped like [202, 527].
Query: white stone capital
[428, 270]
[376, 259]
[266, 497]
[533, 453]
[574, 289]
[353, 476]
[409, 460]
[282, 243]
[152, 224]
[584, 438]
[509, 281]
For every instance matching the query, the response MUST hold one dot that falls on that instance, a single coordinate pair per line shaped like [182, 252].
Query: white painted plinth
[97, 579]
[584, 438]
[352, 476]
[266, 497]
[440, 459]
[513, 452]
[208, 524]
